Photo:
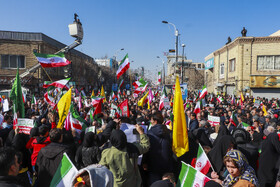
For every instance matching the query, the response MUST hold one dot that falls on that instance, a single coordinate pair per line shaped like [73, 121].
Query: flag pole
[47, 73]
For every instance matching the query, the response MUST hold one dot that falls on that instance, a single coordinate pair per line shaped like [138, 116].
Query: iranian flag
[202, 162]
[191, 177]
[23, 97]
[34, 101]
[95, 101]
[233, 100]
[245, 125]
[139, 83]
[50, 60]
[220, 99]
[121, 83]
[197, 107]
[159, 77]
[65, 172]
[76, 121]
[203, 92]
[124, 65]
[233, 119]
[59, 84]
[15, 120]
[162, 98]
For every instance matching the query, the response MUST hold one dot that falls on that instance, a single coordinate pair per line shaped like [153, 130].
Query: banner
[166, 103]
[264, 81]
[214, 120]
[25, 125]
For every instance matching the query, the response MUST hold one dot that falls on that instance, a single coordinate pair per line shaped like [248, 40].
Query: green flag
[16, 96]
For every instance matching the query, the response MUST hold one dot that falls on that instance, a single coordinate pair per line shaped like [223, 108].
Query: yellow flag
[142, 100]
[264, 110]
[180, 144]
[254, 100]
[63, 107]
[242, 97]
[92, 94]
[103, 94]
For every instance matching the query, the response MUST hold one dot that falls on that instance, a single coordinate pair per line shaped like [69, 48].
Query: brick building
[16, 48]
[193, 72]
[247, 64]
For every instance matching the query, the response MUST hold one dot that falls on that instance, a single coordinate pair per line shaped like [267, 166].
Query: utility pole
[183, 58]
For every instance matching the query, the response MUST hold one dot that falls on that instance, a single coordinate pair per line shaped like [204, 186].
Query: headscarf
[216, 155]
[89, 139]
[246, 171]
[118, 139]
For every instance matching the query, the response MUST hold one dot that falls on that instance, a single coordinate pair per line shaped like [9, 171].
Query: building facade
[248, 64]
[16, 50]
[108, 62]
[193, 72]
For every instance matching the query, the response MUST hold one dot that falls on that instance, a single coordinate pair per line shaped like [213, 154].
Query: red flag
[124, 108]
[98, 108]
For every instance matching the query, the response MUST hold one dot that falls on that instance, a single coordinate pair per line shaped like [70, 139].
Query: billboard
[209, 63]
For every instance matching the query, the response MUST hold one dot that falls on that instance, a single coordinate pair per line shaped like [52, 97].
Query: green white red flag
[59, 84]
[123, 67]
[202, 162]
[159, 76]
[203, 92]
[190, 177]
[50, 60]
[64, 173]
[220, 99]
[197, 108]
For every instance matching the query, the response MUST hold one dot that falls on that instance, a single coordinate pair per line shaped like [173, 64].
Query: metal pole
[183, 58]
[176, 48]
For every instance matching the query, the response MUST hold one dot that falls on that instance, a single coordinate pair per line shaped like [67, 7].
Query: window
[199, 66]
[222, 70]
[12, 61]
[268, 62]
[232, 65]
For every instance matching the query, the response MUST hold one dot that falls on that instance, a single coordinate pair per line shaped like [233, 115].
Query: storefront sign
[265, 82]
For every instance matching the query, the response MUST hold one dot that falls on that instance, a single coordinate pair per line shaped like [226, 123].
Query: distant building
[108, 62]
[16, 50]
[193, 72]
[247, 64]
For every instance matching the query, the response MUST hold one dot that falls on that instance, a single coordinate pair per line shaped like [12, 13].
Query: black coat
[268, 160]
[159, 158]
[9, 181]
[48, 160]
[193, 124]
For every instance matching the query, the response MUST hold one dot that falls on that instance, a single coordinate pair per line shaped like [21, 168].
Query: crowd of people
[242, 153]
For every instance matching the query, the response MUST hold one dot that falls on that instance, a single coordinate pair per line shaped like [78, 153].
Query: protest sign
[166, 103]
[25, 125]
[90, 129]
[214, 120]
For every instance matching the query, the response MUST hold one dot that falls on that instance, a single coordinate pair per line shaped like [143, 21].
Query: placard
[214, 120]
[25, 125]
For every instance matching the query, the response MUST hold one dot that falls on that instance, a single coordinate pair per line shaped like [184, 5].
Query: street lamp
[183, 58]
[117, 51]
[163, 70]
[176, 41]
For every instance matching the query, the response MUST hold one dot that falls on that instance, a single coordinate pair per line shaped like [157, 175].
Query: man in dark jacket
[50, 157]
[9, 167]
[193, 123]
[159, 158]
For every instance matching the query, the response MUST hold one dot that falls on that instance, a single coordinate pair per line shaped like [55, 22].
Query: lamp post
[183, 58]
[163, 70]
[176, 41]
[117, 51]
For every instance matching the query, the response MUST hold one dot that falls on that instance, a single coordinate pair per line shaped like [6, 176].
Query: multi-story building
[16, 50]
[108, 62]
[193, 72]
[247, 64]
